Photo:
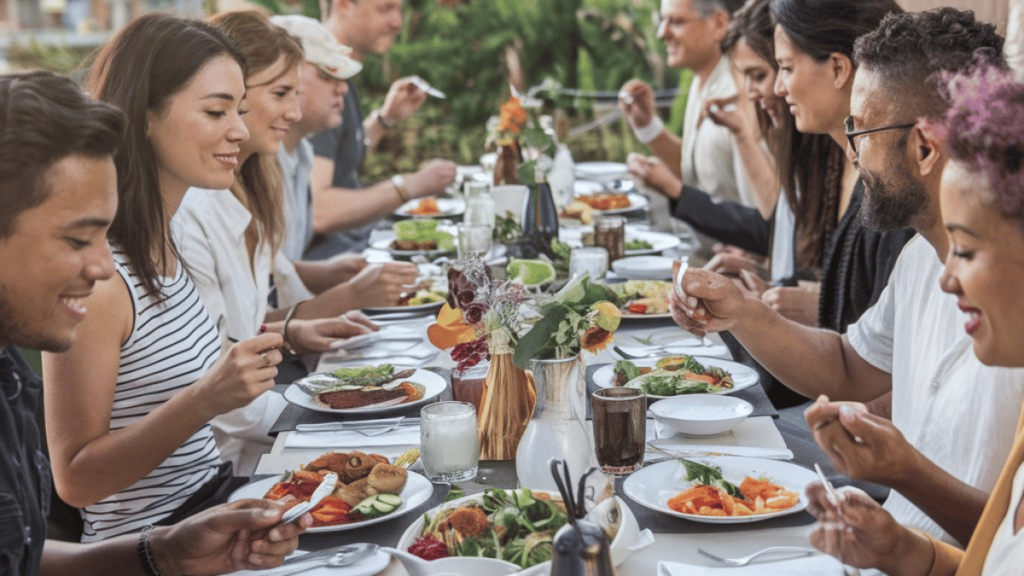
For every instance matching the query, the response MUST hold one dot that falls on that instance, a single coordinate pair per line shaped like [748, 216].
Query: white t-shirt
[209, 229]
[958, 412]
[1006, 554]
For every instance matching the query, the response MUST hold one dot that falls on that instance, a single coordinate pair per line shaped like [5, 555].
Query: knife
[353, 553]
[357, 424]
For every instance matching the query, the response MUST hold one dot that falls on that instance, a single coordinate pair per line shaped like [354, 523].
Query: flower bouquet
[525, 146]
[482, 320]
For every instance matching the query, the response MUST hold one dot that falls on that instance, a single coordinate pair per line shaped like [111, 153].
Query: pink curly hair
[985, 133]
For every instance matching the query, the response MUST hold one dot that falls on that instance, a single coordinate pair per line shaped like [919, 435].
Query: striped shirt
[170, 346]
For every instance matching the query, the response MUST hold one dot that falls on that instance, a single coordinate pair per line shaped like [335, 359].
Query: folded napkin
[368, 567]
[821, 565]
[754, 437]
[404, 435]
[388, 332]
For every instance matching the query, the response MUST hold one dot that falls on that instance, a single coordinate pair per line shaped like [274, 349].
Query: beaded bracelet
[284, 332]
[145, 551]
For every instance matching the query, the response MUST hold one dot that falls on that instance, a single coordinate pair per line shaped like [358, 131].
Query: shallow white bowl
[644, 267]
[701, 414]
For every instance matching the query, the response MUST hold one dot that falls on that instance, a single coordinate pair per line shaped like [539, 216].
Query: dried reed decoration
[506, 408]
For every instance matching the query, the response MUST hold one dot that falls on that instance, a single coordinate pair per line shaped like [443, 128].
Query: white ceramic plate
[629, 540]
[644, 267]
[432, 383]
[702, 414]
[445, 206]
[660, 241]
[742, 376]
[417, 490]
[385, 244]
[600, 170]
[431, 306]
[654, 485]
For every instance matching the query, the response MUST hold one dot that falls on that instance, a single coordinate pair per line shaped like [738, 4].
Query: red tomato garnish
[637, 308]
[428, 548]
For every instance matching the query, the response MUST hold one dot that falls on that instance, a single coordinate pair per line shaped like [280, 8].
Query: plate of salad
[417, 237]
[675, 375]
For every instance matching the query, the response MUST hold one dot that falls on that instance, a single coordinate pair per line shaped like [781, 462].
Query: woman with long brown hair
[130, 441]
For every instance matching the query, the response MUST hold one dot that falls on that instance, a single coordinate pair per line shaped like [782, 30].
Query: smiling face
[690, 41]
[809, 87]
[272, 106]
[757, 79]
[196, 137]
[985, 266]
[61, 250]
[321, 99]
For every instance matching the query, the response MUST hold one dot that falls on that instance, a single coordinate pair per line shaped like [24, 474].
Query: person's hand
[798, 303]
[403, 98]
[710, 302]
[243, 372]
[653, 173]
[855, 529]
[383, 284]
[638, 104]
[861, 445]
[345, 266]
[432, 177]
[243, 535]
[737, 113]
[731, 263]
[319, 335]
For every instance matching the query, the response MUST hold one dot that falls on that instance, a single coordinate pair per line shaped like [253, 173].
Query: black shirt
[25, 478]
[346, 145]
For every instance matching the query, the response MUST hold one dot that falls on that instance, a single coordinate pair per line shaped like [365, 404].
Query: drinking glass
[592, 260]
[448, 441]
[610, 233]
[474, 239]
[620, 429]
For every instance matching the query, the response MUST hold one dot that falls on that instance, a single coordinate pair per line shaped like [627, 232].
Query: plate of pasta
[721, 490]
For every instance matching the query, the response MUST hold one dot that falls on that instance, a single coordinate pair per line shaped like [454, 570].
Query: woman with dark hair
[814, 49]
[232, 236]
[130, 440]
[982, 204]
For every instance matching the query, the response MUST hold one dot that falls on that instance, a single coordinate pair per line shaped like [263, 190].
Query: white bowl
[701, 414]
[644, 267]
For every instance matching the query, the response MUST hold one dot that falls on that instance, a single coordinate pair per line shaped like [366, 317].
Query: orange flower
[449, 329]
[595, 339]
[513, 117]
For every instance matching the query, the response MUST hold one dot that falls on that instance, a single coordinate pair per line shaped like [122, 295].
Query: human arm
[237, 536]
[728, 222]
[403, 99]
[869, 447]
[336, 208]
[379, 284]
[739, 115]
[310, 336]
[90, 461]
[808, 360]
[322, 275]
[859, 532]
[797, 303]
[639, 110]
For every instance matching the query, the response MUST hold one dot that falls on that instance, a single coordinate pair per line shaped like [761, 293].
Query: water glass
[620, 429]
[592, 260]
[480, 205]
[448, 441]
[474, 239]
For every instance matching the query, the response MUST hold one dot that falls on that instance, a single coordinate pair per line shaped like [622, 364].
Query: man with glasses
[946, 434]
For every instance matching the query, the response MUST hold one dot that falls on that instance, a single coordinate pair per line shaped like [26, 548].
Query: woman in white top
[130, 440]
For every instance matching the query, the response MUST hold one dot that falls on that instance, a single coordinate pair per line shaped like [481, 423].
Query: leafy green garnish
[710, 476]
[627, 369]
[506, 229]
[424, 230]
[638, 245]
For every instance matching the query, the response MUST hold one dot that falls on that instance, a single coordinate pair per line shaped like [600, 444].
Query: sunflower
[595, 339]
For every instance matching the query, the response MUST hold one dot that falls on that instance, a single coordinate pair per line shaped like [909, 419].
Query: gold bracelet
[287, 319]
[385, 123]
[399, 182]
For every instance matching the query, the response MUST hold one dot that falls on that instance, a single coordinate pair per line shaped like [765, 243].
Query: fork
[744, 560]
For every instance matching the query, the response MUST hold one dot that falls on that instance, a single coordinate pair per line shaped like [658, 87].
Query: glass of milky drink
[448, 441]
[620, 429]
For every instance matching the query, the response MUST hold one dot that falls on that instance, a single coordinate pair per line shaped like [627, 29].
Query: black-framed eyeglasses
[852, 135]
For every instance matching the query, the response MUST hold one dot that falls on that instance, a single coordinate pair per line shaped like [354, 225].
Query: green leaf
[535, 342]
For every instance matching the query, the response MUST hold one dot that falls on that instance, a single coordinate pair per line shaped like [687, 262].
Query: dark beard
[894, 204]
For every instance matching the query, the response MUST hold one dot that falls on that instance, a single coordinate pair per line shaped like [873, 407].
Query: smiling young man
[58, 196]
[946, 433]
[344, 210]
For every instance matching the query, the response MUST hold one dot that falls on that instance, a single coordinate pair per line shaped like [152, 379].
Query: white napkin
[404, 435]
[387, 332]
[755, 437]
[820, 565]
[368, 567]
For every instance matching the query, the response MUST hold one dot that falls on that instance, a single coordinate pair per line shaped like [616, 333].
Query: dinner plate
[432, 383]
[636, 202]
[428, 307]
[660, 241]
[417, 491]
[445, 207]
[653, 485]
[742, 376]
[385, 244]
[600, 170]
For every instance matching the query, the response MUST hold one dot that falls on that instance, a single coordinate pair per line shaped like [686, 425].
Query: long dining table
[675, 539]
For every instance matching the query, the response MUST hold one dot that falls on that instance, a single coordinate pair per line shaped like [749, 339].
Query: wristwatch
[399, 181]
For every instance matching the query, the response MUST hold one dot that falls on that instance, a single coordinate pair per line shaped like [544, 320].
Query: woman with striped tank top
[130, 442]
